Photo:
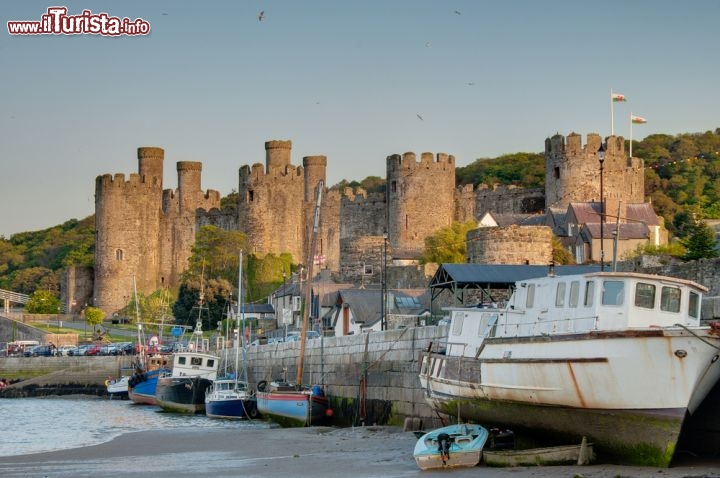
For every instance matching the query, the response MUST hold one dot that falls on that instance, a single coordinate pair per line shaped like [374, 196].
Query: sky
[356, 81]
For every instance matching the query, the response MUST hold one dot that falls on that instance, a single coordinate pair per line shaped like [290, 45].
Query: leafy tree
[700, 243]
[448, 245]
[27, 281]
[560, 254]
[520, 169]
[43, 302]
[94, 316]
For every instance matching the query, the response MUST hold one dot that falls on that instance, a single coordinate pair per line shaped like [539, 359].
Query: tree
[94, 316]
[700, 243]
[448, 245]
[560, 254]
[43, 302]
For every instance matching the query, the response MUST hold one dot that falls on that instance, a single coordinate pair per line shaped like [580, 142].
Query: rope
[701, 339]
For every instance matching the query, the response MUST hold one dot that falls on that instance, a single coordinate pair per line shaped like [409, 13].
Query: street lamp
[601, 158]
[383, 284]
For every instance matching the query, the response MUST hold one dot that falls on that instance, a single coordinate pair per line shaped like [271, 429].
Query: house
[360, 310]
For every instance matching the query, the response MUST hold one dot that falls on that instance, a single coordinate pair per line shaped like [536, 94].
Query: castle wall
[76, 288]
[421, 198]
[510, 245]
[270, 206]
[143, 232]
[329, 244]
[508, 200]
[362, 259]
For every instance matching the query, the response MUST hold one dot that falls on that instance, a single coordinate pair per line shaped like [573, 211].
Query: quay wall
[370, 378]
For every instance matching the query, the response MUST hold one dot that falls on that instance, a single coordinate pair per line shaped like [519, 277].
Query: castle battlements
[408, 161]
[258, 174]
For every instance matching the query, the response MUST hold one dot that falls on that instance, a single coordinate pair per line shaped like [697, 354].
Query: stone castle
[145, 233]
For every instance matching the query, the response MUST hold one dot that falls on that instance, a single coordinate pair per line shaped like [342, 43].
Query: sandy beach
[317, 452]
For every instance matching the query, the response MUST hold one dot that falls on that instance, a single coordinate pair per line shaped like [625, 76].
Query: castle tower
[127, 224]
[277, 154]
[420, 198]
[189, 173]
[314, 171]
[270, 203]
[572, 172]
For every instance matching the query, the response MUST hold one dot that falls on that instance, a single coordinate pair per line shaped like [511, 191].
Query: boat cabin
[193, 364]
[571, 304]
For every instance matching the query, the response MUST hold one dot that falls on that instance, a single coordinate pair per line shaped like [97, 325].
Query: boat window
[195, 361]
[560, 295]
[693, 305]
[457, 324]
[530, 299]
[574, 293]
[589, 293]
[211, 363]
[670, 299]
[181, 360]
[613, 292]
[645, 295]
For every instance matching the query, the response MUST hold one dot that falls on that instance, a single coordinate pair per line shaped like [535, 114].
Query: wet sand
[314, 452]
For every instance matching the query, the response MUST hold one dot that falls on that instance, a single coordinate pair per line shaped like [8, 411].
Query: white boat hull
[626, 390]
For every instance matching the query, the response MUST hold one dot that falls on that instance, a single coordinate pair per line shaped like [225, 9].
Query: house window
[119, 254]
[645, 295]
[670, 299]
[367, 269]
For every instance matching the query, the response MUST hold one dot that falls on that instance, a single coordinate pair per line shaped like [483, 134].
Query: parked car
[93, 349]
[79, 350]
[65, 350]
[295, 336]
[40, 351]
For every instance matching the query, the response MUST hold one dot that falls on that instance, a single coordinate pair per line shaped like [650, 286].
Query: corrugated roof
[497, 275]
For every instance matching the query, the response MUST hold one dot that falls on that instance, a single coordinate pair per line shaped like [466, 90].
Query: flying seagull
[457, 12]
[164, 13]
[421, 118]
[261, 15]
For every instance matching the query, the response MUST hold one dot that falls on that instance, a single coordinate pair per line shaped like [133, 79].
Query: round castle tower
[127, 224]
[572, 172]
[420, 198]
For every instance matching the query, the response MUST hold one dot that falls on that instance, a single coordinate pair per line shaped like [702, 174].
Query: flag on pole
[617, 97]
[637, 119]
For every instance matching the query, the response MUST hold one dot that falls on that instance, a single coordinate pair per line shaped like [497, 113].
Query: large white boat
[621, 358]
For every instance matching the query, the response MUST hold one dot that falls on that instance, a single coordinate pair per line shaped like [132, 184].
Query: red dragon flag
[616, 97]
[637, 119]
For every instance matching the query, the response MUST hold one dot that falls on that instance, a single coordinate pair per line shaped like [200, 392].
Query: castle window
[250, 196]
[119, 254]
[393, 186]
[367, 269]
[556, 172]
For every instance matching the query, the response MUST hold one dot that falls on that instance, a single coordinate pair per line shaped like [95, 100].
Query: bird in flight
[457, 12]
[164, 13]
[261, 15]
[421, 118]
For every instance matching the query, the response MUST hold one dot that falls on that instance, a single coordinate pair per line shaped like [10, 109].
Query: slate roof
[632, 230]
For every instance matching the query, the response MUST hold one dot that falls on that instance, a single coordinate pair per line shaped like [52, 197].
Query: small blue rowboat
[450, 447]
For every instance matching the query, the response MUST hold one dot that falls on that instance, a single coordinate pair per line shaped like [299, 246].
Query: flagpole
[612, 114]
[631, 123]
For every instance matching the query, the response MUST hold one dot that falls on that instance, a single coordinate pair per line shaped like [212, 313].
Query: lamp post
[383, 312]
[601, 158]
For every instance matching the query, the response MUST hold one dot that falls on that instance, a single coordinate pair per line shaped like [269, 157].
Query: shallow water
[33, 425]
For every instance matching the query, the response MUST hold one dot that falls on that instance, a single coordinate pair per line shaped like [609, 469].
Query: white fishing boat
[621, 358]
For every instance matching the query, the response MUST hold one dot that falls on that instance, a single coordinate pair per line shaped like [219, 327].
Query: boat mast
[241, 325]
[308, 284]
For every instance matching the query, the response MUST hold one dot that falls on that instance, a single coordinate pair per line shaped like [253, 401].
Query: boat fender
[253, 412]
[109, 382]
[261, 385]
[444, 447]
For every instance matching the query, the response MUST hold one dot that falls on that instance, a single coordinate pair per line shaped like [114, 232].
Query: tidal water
[34, 425]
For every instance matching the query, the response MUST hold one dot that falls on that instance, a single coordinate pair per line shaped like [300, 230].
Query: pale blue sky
[345, 79]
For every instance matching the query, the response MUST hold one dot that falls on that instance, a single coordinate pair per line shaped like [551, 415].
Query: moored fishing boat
[619, 357]
[453, 446]
[231, 397]
[184, 389]
[293, 404]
